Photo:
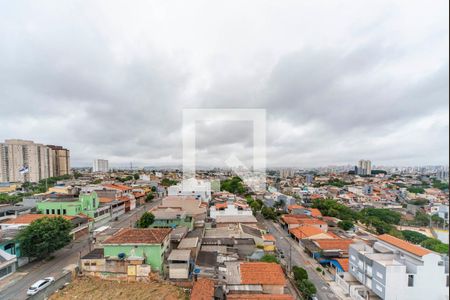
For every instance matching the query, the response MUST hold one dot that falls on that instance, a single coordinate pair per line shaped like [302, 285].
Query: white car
[40, 285]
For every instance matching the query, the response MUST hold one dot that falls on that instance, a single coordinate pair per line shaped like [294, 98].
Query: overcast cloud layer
[340, 80]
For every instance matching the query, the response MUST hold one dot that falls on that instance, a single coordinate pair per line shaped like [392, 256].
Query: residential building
[230, 209]
[8, 211]
[7, 264]
[150, 244]
[395, 269]
[254, 278]
[364, 167]
[167, 217]
[86, 203]
[180, 265]
[25, 161]
[199, 189]
[6, 187]
[100, 165]
[61, 160]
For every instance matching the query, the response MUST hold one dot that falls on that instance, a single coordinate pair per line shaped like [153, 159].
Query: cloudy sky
[340, 80]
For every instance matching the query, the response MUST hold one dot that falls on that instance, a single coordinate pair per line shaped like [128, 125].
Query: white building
[198, 189]
[100, 165]
[394, 269]
[230, 209]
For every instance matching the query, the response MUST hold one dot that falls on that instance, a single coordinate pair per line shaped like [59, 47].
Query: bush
[299, 273]
[269, 258]
[307, 288]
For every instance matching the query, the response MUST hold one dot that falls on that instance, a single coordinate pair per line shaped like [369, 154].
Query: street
[295, 256]
[68, 255]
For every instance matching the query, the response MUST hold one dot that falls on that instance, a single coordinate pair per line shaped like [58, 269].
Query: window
[352, 257]
[379, 287]
[11, 248]
[59, 211]
[64, 211]
[410, 280]
[47, 211]
[380, 275]
[53, 211]
[5, 271]
[447, 281]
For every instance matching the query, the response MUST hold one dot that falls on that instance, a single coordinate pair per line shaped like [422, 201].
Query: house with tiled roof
[309, 232]
[392, 268]
[254, 278]
[147, 244]
[293, 221]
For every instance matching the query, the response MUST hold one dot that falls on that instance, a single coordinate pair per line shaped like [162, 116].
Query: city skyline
[368, 81]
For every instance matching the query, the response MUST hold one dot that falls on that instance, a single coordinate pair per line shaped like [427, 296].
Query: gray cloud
[113, 82]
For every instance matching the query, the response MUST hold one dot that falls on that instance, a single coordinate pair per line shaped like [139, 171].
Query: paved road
[62, 258]
[298, 258]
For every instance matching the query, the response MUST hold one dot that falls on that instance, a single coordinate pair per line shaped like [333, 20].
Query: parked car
[40, 285]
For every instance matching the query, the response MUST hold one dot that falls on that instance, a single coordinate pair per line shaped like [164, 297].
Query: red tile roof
[259, 297]
[138, 236]
[117, 187]
[305, 231]
[334, 244]
[269, 237]
[404, 245]
[221, 205]
[344, 263]
[315, 212]
[203, 289]
[28, 218]
[262, 273]
[295, 206]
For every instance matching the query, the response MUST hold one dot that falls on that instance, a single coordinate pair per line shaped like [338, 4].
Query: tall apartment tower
[22, 161]
[364, 167]
[100, 165]
[61, 160]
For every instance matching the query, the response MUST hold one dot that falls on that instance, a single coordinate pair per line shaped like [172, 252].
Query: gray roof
[94, 254]
[187, 243]
[251, 231]
[206, 259]
[177, 254]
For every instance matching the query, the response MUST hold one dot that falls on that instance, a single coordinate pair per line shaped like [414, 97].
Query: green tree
[269, 258]
[413, 236]
[136, 176]
[307, 288]
[168, 182]
[146, 220]
[299, 273]
[154, 189]
[268, 213]
[416, 190]
[346, 225]
[149, 197]
[435, 245]
[233, 185]
[44, 236]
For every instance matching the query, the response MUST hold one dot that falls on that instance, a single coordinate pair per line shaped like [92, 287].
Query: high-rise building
[364, 167]
[22, 161]
[100, 165]
[61, 160]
